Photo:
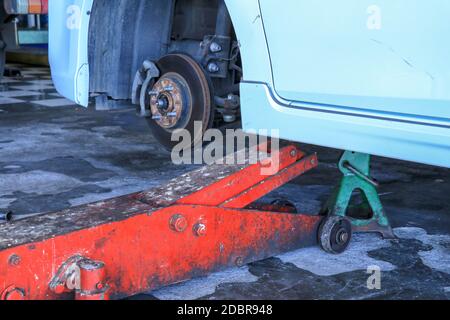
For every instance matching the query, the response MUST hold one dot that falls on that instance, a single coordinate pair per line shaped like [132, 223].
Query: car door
[386, 58]
[68, 48]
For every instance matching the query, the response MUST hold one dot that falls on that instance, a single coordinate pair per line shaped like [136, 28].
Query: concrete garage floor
[54, 155]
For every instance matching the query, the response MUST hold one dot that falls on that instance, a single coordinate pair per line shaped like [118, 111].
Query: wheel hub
[178, 101]
[342, 237]
[170, 101]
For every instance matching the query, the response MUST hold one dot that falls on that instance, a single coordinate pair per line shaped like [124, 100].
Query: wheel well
[193, 19]
[124, 33]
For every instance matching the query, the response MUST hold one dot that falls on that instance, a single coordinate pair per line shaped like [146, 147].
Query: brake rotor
[180, 97]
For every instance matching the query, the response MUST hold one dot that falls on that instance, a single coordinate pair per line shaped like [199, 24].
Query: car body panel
[378, 55]
[400, 140]
[414, 125]
[68, 48]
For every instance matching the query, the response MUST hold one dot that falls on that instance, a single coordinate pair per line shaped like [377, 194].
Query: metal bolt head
[239, 262]
[229, 118]
[215, 47]
[14, 260]
[200, 230]
[213, 67]
[178, 223]
[294, 153]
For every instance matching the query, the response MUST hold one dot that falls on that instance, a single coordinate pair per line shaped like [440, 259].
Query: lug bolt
[157, 118]
[215, 47]
[200, 230]
[213, 67]
[178, 223]
[172, 114]
[168, 88]
[153, 93]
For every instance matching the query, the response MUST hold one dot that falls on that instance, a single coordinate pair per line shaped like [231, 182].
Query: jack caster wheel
[335, 234]
[178, 99]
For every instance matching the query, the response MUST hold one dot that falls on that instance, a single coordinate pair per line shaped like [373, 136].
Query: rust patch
[100, 243]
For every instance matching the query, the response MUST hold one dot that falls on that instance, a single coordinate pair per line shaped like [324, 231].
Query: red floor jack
[201, 222]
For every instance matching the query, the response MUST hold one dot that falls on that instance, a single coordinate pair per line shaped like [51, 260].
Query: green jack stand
[368, 215]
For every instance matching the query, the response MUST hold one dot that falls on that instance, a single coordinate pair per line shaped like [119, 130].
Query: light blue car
[370, 76]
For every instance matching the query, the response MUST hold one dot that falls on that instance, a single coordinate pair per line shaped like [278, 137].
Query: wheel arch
[248, 25]
[125, 33]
